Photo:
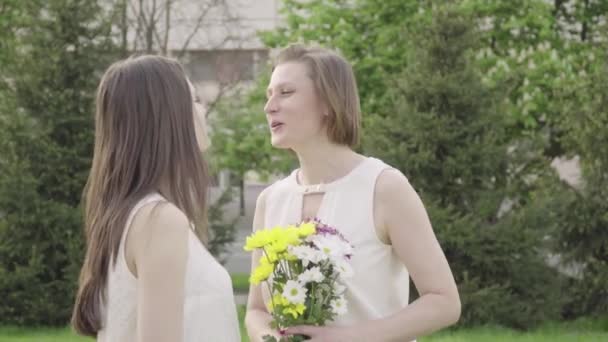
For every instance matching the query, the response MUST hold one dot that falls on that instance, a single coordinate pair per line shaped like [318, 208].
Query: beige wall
[215, 39]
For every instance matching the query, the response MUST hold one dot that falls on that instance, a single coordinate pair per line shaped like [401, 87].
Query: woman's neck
[325, 163]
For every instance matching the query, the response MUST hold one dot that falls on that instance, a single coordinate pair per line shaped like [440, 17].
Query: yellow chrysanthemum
[292, 235]
[276, 233]
[307, 229]
[290, 257]
[262, 272]
[275, 240]
[269, 257]
[277, 247]
[258, 239]
[278, 300]
[294, 310]
[281, 240]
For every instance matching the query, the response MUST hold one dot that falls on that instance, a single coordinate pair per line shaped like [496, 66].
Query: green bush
[582, 238]
[500, 269]
[40, 238]
[45, 149]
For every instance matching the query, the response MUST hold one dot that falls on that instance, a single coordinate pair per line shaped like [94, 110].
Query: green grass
[584, 330]
[240, 282]
[505, 335]
[14, 334]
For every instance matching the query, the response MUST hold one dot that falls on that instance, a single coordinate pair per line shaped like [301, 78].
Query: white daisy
[338, 306]
[343, 267]
[332, 245]
[307, 254]
[294, 292]
[339, 288]
[313, 274]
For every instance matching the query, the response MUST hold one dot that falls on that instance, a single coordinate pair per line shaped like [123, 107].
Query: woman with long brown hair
[147, 275]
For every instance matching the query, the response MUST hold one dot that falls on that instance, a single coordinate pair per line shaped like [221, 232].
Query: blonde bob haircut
[336, 86]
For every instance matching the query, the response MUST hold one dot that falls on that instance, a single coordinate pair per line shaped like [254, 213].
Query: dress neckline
[324, 187]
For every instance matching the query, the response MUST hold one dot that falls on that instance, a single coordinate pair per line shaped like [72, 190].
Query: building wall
[216, 40]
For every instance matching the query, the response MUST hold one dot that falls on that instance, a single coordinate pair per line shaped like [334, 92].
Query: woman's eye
[286, 92]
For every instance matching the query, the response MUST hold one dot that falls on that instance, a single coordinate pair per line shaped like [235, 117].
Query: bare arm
[406, 222]
[257, 319]
[159, 245]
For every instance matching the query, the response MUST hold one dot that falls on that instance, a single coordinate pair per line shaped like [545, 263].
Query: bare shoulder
[158, 231]
[160, 219]
[397, 205]
[392, 185]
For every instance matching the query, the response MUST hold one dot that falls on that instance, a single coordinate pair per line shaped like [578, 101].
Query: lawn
[240, 282]
[585, 330]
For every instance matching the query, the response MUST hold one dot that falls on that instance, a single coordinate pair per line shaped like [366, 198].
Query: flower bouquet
[302, 267]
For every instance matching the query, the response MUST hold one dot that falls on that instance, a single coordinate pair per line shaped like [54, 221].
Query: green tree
[582, 19]
[241, 137]
[46, 145]
[583, 215]
[221, 228]
[550, 54]
[447, 132]
[10, 12]
[12, 19]
[537, 48]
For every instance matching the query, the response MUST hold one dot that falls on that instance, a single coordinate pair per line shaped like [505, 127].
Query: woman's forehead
[289, 73]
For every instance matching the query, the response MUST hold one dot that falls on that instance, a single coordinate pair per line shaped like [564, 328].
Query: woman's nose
[270, 106]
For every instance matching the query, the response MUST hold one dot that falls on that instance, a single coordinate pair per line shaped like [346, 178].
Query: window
[224, 66]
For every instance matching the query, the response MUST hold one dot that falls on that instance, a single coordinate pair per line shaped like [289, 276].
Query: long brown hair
[144, 140]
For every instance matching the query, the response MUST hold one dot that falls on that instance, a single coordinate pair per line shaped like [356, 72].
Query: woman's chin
[279, 142]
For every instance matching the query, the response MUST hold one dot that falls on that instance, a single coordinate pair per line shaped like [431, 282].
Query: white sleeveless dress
[380, 286]
[209, 308]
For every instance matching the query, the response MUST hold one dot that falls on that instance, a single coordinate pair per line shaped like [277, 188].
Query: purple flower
[324, 229]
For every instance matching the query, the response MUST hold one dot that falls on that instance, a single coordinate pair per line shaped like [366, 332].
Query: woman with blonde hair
[313, 109]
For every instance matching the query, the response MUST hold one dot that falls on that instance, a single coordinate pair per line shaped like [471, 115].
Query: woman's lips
[275, 126]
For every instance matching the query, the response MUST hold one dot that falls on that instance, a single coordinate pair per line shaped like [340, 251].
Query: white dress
[209, 308]
[380, 285]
